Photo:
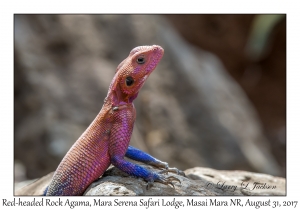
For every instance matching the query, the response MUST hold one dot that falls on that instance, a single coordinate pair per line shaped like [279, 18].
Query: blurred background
[217, 99]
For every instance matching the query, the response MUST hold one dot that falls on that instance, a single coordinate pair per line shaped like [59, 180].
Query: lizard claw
[165, 168]
[163, 180]
[168, 180]
[149, 185]
[173, 170]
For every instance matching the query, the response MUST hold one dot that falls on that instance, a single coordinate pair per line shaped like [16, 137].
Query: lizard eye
[140, 60]
[129, 81]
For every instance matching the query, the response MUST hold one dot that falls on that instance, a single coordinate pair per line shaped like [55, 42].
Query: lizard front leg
[118, 144]
[141, 156]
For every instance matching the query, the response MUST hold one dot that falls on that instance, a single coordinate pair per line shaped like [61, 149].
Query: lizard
[106, 140]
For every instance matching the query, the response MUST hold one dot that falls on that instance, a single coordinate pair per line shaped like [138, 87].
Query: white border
[8, 8]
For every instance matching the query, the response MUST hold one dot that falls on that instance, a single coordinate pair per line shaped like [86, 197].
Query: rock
[198, 181]
[35, 187]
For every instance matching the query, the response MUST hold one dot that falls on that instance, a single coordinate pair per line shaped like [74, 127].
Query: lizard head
[132, 72]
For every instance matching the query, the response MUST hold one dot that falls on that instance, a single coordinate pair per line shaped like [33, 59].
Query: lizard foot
[172, 170]
[165, 168]
[163, 180]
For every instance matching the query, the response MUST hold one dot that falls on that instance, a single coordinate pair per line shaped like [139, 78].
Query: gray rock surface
[198, 182]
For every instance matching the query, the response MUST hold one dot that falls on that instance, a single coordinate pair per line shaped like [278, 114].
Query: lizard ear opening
[129, 81]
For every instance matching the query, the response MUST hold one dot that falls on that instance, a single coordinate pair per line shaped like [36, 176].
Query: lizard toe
[149, 184]
[172, 170]
[168, 180]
